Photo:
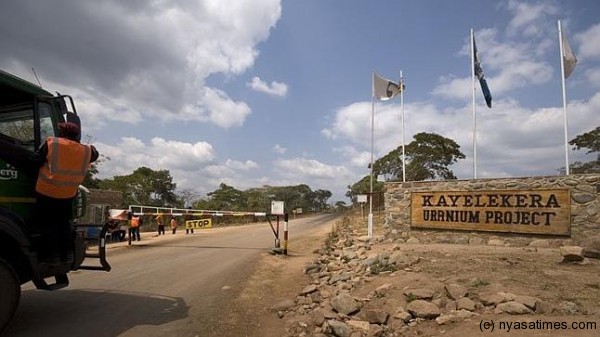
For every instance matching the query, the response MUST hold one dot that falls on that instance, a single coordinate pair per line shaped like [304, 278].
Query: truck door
[17, 174]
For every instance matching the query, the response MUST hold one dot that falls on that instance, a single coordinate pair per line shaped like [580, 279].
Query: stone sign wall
[564, 206]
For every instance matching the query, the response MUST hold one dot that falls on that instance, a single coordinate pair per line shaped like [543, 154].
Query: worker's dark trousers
[135, 233]
[53, 219]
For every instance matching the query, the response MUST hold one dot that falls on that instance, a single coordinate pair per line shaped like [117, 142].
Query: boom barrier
[140, 210]
[153, 210]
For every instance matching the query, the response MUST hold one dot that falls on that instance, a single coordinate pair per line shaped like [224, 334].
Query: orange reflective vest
[135, 221]
[65, 168]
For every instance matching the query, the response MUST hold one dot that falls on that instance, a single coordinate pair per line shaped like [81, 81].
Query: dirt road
[172, 285]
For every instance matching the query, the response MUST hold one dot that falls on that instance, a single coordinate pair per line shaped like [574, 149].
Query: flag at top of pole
[384, 89]
[569, 59]
[479, 74]
[567, 65]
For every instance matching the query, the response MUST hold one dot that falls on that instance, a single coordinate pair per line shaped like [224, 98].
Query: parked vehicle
[28, 116]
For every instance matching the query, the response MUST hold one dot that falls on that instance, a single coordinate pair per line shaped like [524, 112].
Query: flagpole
[564, 96]
[370, 220]
[403, 141]
[474, 114]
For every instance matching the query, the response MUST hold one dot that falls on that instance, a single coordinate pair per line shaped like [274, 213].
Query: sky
[279, 92]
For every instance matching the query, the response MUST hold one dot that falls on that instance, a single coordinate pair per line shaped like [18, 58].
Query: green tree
[321, 197]
[227, 198]
[363, 186]
[590, 141]
[90, 180]
[340, 205]
[145, 187]
[259, 199]
[428, 157]
[293, 196]
[187, 196]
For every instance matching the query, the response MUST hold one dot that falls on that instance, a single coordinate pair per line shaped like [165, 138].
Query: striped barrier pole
[285, 233]
[277, 241]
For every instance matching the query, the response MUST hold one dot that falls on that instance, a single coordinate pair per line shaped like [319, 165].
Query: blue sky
[269, 92]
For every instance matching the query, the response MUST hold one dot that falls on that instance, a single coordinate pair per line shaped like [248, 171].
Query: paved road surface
[172, 285]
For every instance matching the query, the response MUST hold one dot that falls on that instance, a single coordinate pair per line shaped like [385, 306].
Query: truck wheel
[10, 293]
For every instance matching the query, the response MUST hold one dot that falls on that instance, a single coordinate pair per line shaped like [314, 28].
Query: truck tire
[10, 293]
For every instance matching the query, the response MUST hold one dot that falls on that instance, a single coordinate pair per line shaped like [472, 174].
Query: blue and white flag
[479, 73]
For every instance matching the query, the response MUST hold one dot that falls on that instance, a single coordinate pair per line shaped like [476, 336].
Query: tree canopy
[259, 198]
[428, 157]
[363, 186]
[156, 188]
[590, 141]
[145, 187]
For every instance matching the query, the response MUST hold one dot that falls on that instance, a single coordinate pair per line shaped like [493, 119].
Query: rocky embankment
[360, 286]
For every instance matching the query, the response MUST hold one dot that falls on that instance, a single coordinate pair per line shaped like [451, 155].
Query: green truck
[28, 116]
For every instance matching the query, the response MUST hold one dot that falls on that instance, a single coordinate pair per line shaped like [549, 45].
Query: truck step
[94, 268]
[61, 281]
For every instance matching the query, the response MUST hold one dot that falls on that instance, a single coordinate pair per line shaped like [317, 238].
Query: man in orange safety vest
[65, 163]
[136, 222]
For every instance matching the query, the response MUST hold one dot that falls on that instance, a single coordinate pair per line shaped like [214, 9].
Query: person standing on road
[189, 230]
[161, 225]
[174, 225]
[188, 223]
[136, 222]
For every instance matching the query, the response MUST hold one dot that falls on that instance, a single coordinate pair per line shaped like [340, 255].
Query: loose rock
[423, 309]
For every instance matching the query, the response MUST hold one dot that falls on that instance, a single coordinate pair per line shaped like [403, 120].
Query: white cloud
[302, 168]
[192, 165]
[512, 140]
[218, 172]
[359, 159]
[131, 153]
[241, 165]
[215, 106]
[279, 149]
[181, 156]
[508, 66]
[589, 43]
[223, 111]
[315, 174]
[275, 89]
[349, 121]
[353, 123]
[527, 15]
[130, 75]
[593, 76]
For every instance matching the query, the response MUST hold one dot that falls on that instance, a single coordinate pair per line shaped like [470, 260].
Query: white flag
[569, 59]
[383, 88]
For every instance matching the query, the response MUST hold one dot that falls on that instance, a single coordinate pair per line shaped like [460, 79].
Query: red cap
[69, 130]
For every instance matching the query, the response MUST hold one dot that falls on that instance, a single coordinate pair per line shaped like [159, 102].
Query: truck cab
[28, 116]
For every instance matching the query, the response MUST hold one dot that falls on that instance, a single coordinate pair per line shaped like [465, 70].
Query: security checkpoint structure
[277, 210]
